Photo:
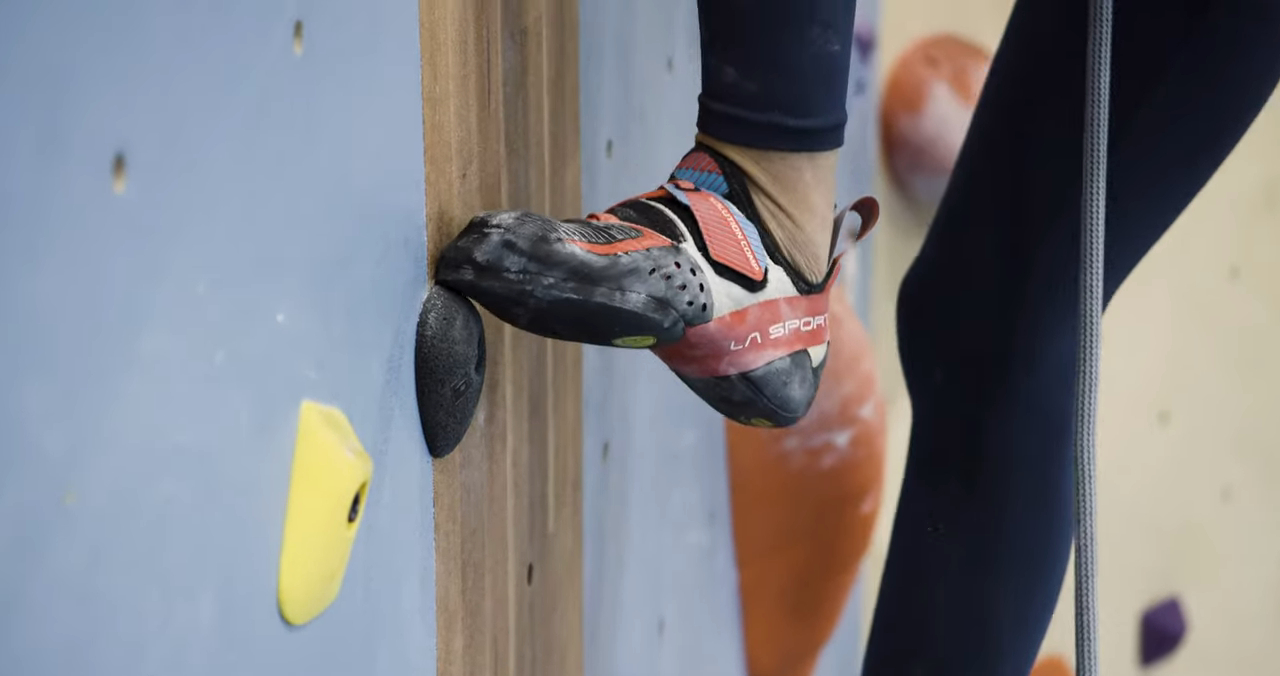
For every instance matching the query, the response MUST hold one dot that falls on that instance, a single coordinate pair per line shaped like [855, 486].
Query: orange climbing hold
[1052, 665]
[805, 499]
[928, 101]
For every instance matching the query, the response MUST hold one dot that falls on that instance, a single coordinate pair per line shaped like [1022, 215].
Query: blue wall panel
[154, 345]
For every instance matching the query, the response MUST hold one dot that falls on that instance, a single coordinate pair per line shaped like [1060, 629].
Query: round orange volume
[928, 101]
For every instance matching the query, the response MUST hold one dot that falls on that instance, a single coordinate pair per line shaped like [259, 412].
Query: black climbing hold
[448, 367]
[1163, 626]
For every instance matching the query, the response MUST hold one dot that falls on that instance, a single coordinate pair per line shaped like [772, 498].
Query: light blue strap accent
[711, 181]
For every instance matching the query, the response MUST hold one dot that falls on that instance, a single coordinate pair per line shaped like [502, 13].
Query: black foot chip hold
[448, 368]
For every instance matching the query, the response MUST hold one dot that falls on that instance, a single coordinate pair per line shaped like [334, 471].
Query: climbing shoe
[683, 270]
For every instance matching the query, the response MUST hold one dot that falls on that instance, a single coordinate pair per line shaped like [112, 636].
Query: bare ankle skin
[795, 194]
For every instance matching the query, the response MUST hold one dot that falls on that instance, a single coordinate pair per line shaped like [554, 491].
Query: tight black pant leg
[987, 315]
[775, 73]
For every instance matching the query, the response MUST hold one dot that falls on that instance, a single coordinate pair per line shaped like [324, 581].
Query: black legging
[987, 314]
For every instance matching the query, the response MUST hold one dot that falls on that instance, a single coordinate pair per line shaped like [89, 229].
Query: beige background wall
[1189, 449]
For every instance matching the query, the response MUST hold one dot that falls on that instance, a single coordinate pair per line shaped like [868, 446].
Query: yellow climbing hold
[635, 341]
[327, 496]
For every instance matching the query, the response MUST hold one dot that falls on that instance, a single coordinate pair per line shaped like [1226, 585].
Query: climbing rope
[1097, 109]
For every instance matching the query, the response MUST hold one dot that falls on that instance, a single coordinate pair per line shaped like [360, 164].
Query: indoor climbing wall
[1187, 509]
[212, 214]
[660, 583]
[209, 212]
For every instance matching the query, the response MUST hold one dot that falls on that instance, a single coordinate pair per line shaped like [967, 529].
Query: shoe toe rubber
[777, 394]
[519, 266]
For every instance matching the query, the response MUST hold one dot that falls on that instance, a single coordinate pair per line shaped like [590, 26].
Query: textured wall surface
[661, 586]
[268, 246]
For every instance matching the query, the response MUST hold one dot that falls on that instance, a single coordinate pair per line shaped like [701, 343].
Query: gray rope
[1097, 109]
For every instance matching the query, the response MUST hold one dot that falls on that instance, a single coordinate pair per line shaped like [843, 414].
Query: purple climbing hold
[864, 41]
[1163, 627]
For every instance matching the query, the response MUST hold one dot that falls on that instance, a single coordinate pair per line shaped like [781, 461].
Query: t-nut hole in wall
[119, 174]
[357, 503]
[297, 37]
[528, 575]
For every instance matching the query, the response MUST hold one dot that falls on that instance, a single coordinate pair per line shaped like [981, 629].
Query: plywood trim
[500, 115]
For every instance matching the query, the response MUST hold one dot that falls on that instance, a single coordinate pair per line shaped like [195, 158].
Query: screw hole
[608, 149]
[119, 174]
[689, 303]
[682, 287]
[693, 271]
[701, 289]
[652, 270]
[667, 277]
[704, 307]
[353, 512]
[297, 37]
[677, 265]
[528, 575]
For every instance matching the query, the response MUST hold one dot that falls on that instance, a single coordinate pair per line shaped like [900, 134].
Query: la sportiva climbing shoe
[683, 270]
